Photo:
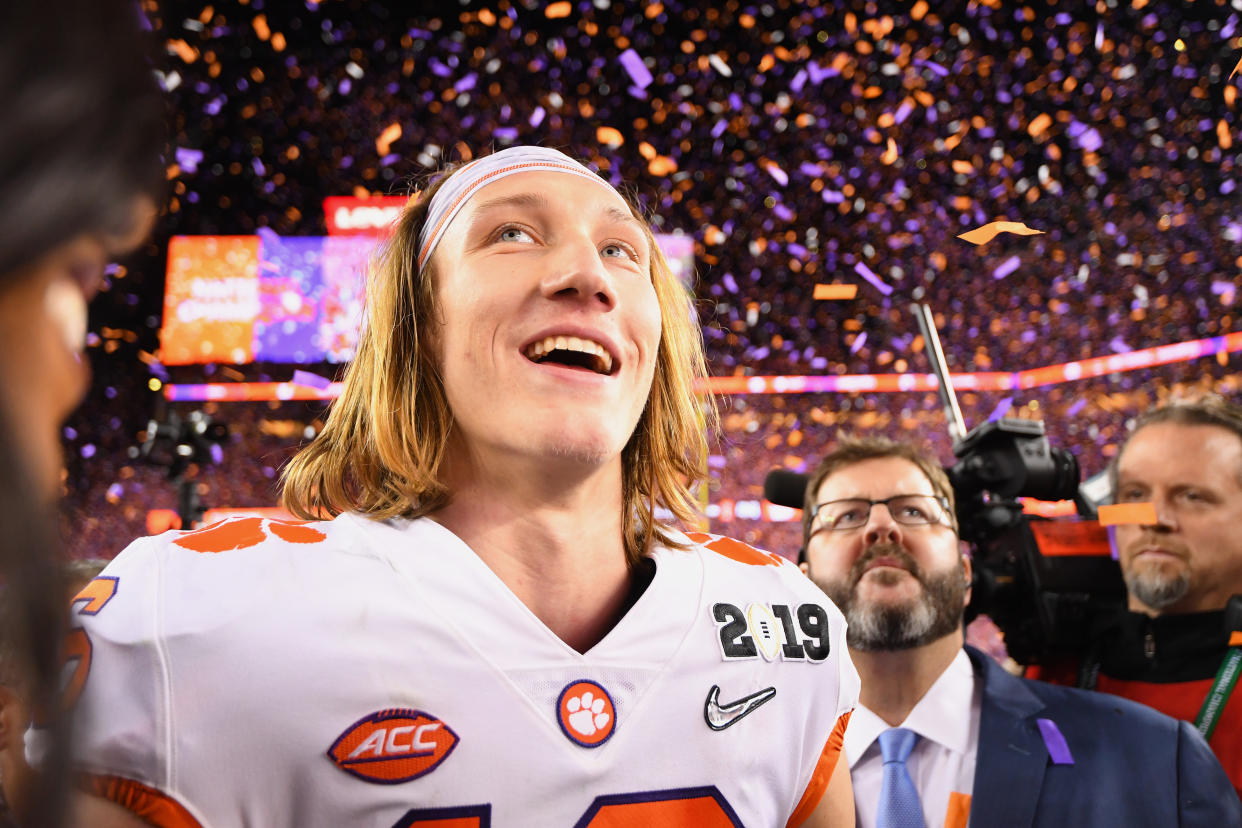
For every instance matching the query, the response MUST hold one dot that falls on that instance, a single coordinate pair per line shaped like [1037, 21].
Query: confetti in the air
[1116, 514]
[310, 380]
[384, 142]
[633, 64]
[836, 292]
[866, 272]
[989, 231]
[1006, 267]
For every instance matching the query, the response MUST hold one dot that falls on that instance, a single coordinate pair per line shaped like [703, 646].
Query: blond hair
[381, 449]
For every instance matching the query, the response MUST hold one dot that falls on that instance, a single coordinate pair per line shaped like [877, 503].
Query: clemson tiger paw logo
[242, 533]
[586, 713]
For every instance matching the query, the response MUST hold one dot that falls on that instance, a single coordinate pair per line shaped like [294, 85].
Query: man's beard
[935, 613]
[1156, 586]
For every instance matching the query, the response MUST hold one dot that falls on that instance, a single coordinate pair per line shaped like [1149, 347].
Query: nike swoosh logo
[719, 716]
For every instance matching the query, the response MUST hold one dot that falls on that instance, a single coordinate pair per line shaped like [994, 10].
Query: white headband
[476, 175]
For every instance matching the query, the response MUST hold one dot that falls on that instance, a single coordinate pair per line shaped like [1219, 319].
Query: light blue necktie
[899, 801]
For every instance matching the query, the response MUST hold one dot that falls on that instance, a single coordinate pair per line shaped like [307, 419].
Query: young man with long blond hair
[495, 628]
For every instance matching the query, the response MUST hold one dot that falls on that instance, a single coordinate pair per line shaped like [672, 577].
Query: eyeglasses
[853, 513]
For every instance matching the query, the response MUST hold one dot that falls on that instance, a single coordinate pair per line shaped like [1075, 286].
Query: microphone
[785, 488]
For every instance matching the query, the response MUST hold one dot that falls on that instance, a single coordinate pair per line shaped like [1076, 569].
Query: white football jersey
[354, 672]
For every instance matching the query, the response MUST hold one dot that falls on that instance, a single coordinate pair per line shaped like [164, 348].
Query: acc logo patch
[393, 746]
[586, 713]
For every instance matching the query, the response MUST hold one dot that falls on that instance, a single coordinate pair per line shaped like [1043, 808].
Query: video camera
[1050, 585]
[177, 444]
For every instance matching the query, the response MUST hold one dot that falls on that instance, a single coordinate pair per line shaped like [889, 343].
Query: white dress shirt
[943, 759]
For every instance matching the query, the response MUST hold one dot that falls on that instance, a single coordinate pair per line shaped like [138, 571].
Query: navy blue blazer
[1132, 766]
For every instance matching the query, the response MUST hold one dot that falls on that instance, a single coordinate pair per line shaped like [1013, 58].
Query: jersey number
[77, 652]
[705, 807]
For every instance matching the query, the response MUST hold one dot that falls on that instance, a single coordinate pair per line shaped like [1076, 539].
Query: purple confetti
[859, 342]
[818, 74]
[88, 450]
[257, 166]
[862, 270]
[1058, 750]
[1076, 407]
[1090, 140]
[217, 454]
[536, 117]
[467, 83]
[310, 380]
[115, 491]
[1219, 288]
[505, 133]
[267, 235]
[936, 68]
[799, 81]
[1002, 408]
[1006, 267]
[1119, 345]
[188, 159]
[730, 283]
[810, 170]
[212, 107]
[638, 71]
[780, 176]
[903, 111]
[783, 212]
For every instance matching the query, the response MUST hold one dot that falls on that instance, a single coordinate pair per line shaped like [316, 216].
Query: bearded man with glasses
[942, 735]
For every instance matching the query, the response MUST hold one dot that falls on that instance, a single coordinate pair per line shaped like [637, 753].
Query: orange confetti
[1235, 639]
[647, 151]
[963, 167]
[836, 291]
[989, 231]
[261, 28]
[383, 143]
[890, 154]
[278, 42]
[918, 10]
[1222, 134]
[1040, 124]
[555, 10]
[1143, 514]
[609, 136]
[183, 50]
[662, 165]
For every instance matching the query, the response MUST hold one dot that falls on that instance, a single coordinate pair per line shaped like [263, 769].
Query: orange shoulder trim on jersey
[735, 550]
[143, 801]
[822, 773]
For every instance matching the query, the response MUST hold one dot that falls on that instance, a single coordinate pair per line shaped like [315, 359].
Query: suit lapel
[1012, 757]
